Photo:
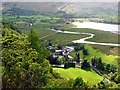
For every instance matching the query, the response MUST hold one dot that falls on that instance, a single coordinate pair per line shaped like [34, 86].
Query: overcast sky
[60, 0]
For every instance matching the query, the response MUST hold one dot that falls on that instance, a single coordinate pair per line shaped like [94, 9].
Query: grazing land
[100, 36]
[109, 59]
[90, 77]
[64, 39]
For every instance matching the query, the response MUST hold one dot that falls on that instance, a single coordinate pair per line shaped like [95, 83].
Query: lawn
[88, 76]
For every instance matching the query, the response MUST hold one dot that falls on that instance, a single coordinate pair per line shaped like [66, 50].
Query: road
[48, 35]
[99, 73]
[83, 40]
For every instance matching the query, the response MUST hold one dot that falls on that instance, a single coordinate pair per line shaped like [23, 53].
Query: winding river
[92, 25]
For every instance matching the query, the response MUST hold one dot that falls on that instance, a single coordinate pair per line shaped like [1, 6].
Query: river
[92, 25]
[98, 26]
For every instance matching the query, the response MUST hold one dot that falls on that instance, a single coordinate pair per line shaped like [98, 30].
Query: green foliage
[9, 24]
[78, 57]
[105, 85]
[108, 67]
[17, 11]
[101, 85]
[117, 74]
[78, 83]
[69, 64]
[85, 65]
[100, 36]
[118, 64]
[85, 52]
[97, 62]
[34, 40]
[90, 77]
[108, 59]
[25, 63]
[63, 38]
[79, 47]
[58, 84]
[20, 61]
[117, 79]
[37, 45]
[100, 64]
[60, 60]
[103, 67]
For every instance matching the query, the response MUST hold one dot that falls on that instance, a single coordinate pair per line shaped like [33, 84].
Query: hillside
[65, 8]
[42, 47]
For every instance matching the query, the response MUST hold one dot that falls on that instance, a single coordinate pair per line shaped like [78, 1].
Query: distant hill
[66, 8]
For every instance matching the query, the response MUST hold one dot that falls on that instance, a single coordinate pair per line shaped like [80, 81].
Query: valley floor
[90, 77]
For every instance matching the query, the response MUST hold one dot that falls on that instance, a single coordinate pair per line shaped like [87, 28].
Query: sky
[60, 0]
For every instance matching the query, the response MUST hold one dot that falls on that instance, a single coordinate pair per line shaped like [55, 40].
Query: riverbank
[98, 26]
[83, 40]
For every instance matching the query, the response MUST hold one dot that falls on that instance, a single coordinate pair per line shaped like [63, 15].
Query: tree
[34, 40]
[85, 52]
[20, 62]
[78, 57]
[62, 83]
[101, 85]
[93, 62]
[60, 60]
[85, 65]
[38, 45]
[108, 67]
[100, 64]
[79, 47]
[97, 62]
[78, 83]
[118, 72]
[59, 46]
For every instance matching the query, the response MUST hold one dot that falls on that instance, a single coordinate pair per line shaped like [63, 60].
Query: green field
[100, 36]
[42, 28]
[42, 31]
[110, 59]
[109, 50]
[59, 38]
[62, 38]
[88, 76]
[44, 22]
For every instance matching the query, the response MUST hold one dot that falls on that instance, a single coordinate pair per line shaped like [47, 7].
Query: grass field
[21, 23]
[62, 38]
[42, 31]
[88, 76]
[59, 38]
[109, 50]
[100, 36]
[110, 59]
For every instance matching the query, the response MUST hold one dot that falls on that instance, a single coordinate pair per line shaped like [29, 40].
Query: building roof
[58, 50]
